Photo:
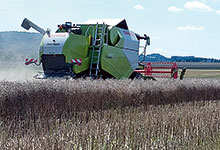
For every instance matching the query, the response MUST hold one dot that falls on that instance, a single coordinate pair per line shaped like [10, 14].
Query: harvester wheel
[149, 78]
[182, 73]
[135, 75]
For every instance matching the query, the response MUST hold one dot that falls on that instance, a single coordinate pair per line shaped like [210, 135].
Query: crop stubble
[109, 114]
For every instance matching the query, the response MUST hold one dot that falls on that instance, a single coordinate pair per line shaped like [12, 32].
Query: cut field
[199, 73]
[110, 114]
[200, 69]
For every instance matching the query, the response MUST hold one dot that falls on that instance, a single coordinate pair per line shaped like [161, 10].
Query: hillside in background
[16, 46]
[160, 58]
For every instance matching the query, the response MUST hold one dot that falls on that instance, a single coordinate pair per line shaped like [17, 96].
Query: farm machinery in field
[95, 50]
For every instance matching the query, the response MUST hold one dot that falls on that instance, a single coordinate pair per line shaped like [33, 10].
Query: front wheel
[136, 75]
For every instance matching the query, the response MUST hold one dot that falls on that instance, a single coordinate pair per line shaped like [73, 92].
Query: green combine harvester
[96, 51]
[88, 50]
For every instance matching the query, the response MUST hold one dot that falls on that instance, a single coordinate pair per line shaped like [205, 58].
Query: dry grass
[201, 73]
[110, 114]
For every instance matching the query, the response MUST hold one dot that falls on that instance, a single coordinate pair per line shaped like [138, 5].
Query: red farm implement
[159, 69]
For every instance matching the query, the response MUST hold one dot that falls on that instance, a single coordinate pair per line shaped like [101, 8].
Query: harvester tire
[136, 75]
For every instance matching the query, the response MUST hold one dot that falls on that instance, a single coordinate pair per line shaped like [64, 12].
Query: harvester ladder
[96, 50]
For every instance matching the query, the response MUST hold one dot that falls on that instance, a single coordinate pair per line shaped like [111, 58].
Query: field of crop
[110, 114]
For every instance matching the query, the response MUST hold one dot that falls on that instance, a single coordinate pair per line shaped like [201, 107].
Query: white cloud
[174, 9]
[191, 28]
[138, 7]
[197, 6]
[218, 12]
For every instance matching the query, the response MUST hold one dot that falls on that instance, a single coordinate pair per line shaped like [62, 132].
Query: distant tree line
[160, 58]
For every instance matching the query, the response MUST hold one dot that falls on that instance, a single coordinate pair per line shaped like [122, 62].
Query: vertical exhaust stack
[27, 24]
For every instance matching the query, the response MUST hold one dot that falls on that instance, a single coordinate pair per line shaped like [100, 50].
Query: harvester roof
[121, 23]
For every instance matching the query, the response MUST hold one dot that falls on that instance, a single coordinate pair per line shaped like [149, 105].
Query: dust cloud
[17, 71]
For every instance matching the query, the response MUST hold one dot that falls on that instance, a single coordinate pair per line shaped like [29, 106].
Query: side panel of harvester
[121, 58]
[77, 47]
[114, 61]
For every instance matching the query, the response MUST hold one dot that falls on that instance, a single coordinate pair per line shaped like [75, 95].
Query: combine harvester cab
[94, 50]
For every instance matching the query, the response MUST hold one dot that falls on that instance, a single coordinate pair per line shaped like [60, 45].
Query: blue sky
[176, 27]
